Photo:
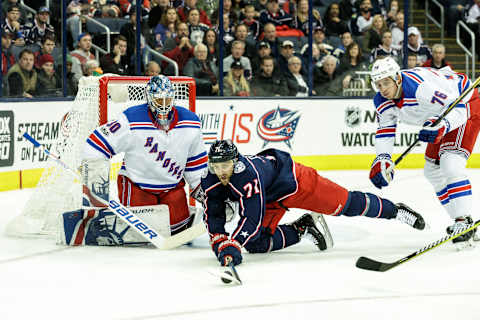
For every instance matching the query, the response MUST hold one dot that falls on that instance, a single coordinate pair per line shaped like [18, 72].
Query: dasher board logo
[6, 138]
[352, 117]
[278, 125]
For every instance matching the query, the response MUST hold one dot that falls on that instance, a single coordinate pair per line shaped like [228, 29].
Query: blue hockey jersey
[256, 180]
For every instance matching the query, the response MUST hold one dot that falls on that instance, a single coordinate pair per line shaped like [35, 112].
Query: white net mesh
[98, 100]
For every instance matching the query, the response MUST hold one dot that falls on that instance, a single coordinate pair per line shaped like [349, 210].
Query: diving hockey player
[265, 186]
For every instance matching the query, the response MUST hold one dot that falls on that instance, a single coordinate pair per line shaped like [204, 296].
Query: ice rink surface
[40, 280]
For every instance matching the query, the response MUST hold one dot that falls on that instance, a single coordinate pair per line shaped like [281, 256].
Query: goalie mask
[160, 97]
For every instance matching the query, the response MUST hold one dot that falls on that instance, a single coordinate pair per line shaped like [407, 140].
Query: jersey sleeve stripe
[105, 142]
[414, 76]
[195, 168]
[194, 163]
[385, 106]
[200, 155]
[98, 148]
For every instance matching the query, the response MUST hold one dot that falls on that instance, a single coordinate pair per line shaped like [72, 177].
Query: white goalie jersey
[156, 160]
[427, 93]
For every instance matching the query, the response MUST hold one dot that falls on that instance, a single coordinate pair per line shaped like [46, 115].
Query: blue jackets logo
[278, 125]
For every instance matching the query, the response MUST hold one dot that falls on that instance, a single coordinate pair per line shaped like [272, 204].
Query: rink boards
[327, 134]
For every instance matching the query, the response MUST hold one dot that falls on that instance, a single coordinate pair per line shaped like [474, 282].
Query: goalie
[163, 148]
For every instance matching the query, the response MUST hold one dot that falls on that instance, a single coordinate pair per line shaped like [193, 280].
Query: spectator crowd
[266, 50]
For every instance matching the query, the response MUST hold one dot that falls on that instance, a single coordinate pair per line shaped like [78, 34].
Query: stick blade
[373, 265]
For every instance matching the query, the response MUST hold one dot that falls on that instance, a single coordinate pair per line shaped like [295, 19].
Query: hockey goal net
[99, 100]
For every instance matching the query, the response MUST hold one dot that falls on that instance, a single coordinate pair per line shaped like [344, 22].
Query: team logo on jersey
[239, 167]
[278, 125]
[352, 117]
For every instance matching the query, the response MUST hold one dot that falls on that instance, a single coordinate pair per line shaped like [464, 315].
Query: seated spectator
[192, 4]
[268, 83]
[12, 25]
[6, 4]
[210, 40]
[270, 36]
[72, 83]
[286, 52]
[228, 34]
[323, 45]
[241, 34]
[48, 84]
[183, 47]
[397, 31]
[300, 20]
[327, 79]
[259, 6]
[158, 9]
[195, 27]
[316, 53]
[22, 77]
[228, 11]
[412, 61]
[365, 18]
[82, 55]
[296, 82]
[273, 14]
[438, 58]
[166, 28]
[347, 40]
[8, 59]
[152, 69]
[203, 71]
[47, 46]
[385, 49]
[352, 61]
[117, 61]
[251, 22]
[334, 26]
[129, 31]
[392, 13]
[422, 51]
[92, 68]
[235, 83]
[77, 13]
[238, 49]
[263, 51]
[373, 37]
[37, 29]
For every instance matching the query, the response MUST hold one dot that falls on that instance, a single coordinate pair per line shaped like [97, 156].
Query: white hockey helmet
[384, 68]
[160, 95]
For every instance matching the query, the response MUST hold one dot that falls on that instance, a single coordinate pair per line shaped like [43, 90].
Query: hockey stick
[373, 265]
[126, 215]
[450, 108]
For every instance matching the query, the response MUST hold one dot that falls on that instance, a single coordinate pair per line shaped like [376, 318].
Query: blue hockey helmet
[160, 95]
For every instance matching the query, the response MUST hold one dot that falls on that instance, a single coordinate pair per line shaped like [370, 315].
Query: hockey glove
[436, 133]
[226, 249]
[379, 173]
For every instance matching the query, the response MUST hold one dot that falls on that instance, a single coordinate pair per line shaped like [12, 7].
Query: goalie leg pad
[368, 205]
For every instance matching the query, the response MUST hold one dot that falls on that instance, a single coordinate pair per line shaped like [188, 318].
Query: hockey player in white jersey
[163, 148]
[419, 96]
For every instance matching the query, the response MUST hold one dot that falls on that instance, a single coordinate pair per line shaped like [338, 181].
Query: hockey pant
[131, 194]
[445, 166]
[321, 195]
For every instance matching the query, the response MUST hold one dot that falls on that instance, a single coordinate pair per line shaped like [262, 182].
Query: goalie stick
[126, 215]
[373, 265]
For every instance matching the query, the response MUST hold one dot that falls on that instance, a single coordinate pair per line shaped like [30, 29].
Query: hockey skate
[465, 240]
[306, 227]
[406, 215]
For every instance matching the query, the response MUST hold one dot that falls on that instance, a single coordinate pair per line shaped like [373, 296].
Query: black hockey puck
[227, 280]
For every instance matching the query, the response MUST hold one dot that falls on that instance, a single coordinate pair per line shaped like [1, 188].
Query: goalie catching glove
[226, 249]
[434, 134]
[379, 173]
